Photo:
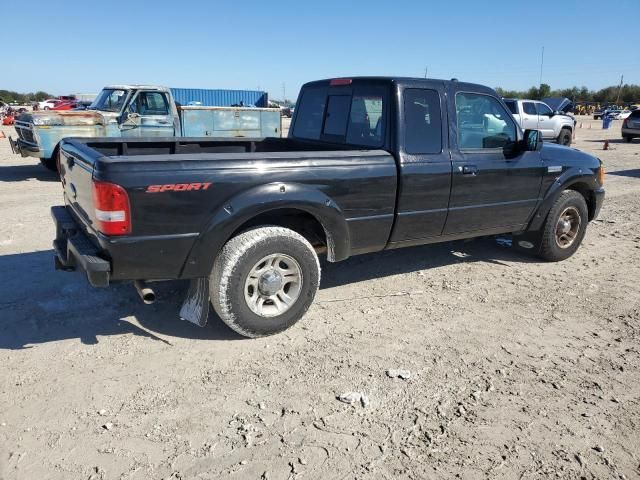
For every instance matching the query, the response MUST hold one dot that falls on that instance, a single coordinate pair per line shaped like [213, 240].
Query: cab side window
[529, 108]
[150, 103]
[422, 119]
[543, 109]
[483, 123]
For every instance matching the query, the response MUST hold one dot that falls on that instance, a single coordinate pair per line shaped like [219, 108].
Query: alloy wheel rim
[273, 285]
[567, 227]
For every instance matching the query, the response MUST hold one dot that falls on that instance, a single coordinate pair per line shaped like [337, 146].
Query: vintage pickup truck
[138, 111]
[370, 164]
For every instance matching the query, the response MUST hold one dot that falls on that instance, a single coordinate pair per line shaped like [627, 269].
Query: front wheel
[565, 137]
[565, 227]
[264, 280]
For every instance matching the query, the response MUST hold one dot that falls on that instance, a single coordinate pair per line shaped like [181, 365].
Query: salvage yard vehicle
[137, 111]
[371, 163]
[536, 115]
[631, 126]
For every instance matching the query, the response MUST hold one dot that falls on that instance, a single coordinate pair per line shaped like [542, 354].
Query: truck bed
[176, 224]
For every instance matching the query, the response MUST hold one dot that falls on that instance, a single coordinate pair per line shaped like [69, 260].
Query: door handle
[470, 170]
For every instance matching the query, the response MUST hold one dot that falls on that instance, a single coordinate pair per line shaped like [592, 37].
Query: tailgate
[76, 163]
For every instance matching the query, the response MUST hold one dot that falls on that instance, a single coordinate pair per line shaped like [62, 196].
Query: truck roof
[410, 82]
[134, 86]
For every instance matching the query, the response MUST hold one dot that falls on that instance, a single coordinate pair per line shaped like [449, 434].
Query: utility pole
[284, 92]
[541, 64]
[619, 89]
[426, 69]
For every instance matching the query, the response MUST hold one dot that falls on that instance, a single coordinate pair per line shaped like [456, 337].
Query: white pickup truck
[536, 115]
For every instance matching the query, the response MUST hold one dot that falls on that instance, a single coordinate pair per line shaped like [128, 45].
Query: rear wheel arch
[309, 211]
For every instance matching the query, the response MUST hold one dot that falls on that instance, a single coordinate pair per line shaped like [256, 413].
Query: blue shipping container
[219, 98]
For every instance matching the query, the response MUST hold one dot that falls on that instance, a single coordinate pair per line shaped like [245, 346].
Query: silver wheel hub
[273, 285]
[568, 227]
[270, 283]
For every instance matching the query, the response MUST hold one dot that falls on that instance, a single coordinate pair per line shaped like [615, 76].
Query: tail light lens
[113, 213]
[625, 123]
[601, 175]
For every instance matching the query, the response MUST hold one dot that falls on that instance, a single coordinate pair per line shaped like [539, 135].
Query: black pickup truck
[370, 164]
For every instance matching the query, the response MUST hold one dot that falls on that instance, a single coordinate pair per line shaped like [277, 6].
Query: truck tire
[264, 280]
[565, 137]
[565, 227]
[50, 163]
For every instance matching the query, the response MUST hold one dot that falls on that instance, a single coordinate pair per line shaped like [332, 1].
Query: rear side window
[529, 108]
[423, 124]
[512, 105]
[355, 117]
[635, 114]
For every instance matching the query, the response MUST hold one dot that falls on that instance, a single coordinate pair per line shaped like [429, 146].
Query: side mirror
[129, 120]
[532, 141]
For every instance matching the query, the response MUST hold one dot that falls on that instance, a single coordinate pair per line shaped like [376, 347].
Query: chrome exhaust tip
[147, 294]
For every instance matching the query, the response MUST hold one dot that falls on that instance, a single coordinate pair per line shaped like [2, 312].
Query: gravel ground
[518, 369]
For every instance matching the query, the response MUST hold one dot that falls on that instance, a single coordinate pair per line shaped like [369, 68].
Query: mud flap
[195, 308]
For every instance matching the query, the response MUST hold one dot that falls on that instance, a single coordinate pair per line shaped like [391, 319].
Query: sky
[80, 46]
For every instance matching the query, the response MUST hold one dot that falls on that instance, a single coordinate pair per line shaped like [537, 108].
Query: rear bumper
[74, 250]
[25, 149]
[631, 132]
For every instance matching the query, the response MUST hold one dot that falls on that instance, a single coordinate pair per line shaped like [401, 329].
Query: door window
[512, 105]
[150, 103]
[483, 122]
[423, 125]
[529, 108]
[543, 109]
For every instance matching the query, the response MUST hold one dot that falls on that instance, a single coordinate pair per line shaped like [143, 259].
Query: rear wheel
[565, 137]
[628, 139]
[264, 280]
[565, 227]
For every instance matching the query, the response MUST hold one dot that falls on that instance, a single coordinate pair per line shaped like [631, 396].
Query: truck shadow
[40, 305]
[397, 262]
[634, 173]
[16, 173]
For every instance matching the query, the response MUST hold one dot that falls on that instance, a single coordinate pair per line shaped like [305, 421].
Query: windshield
[109, 100]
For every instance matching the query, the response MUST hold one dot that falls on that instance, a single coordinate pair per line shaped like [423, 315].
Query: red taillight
[340, 81]
[625, 123]
[111, 204]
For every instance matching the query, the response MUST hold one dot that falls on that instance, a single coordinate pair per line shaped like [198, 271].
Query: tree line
[626, 94]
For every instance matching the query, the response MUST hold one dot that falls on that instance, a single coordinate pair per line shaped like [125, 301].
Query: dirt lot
[519, 369]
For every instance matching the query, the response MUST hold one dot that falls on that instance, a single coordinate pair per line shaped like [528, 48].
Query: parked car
[137, 111]
[613, 114]
[536, 115]
[631, 126]
[48, 104]
[370, 164]
[65, 105]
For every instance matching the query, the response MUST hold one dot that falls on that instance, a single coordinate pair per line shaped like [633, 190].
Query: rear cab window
[353, 114]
